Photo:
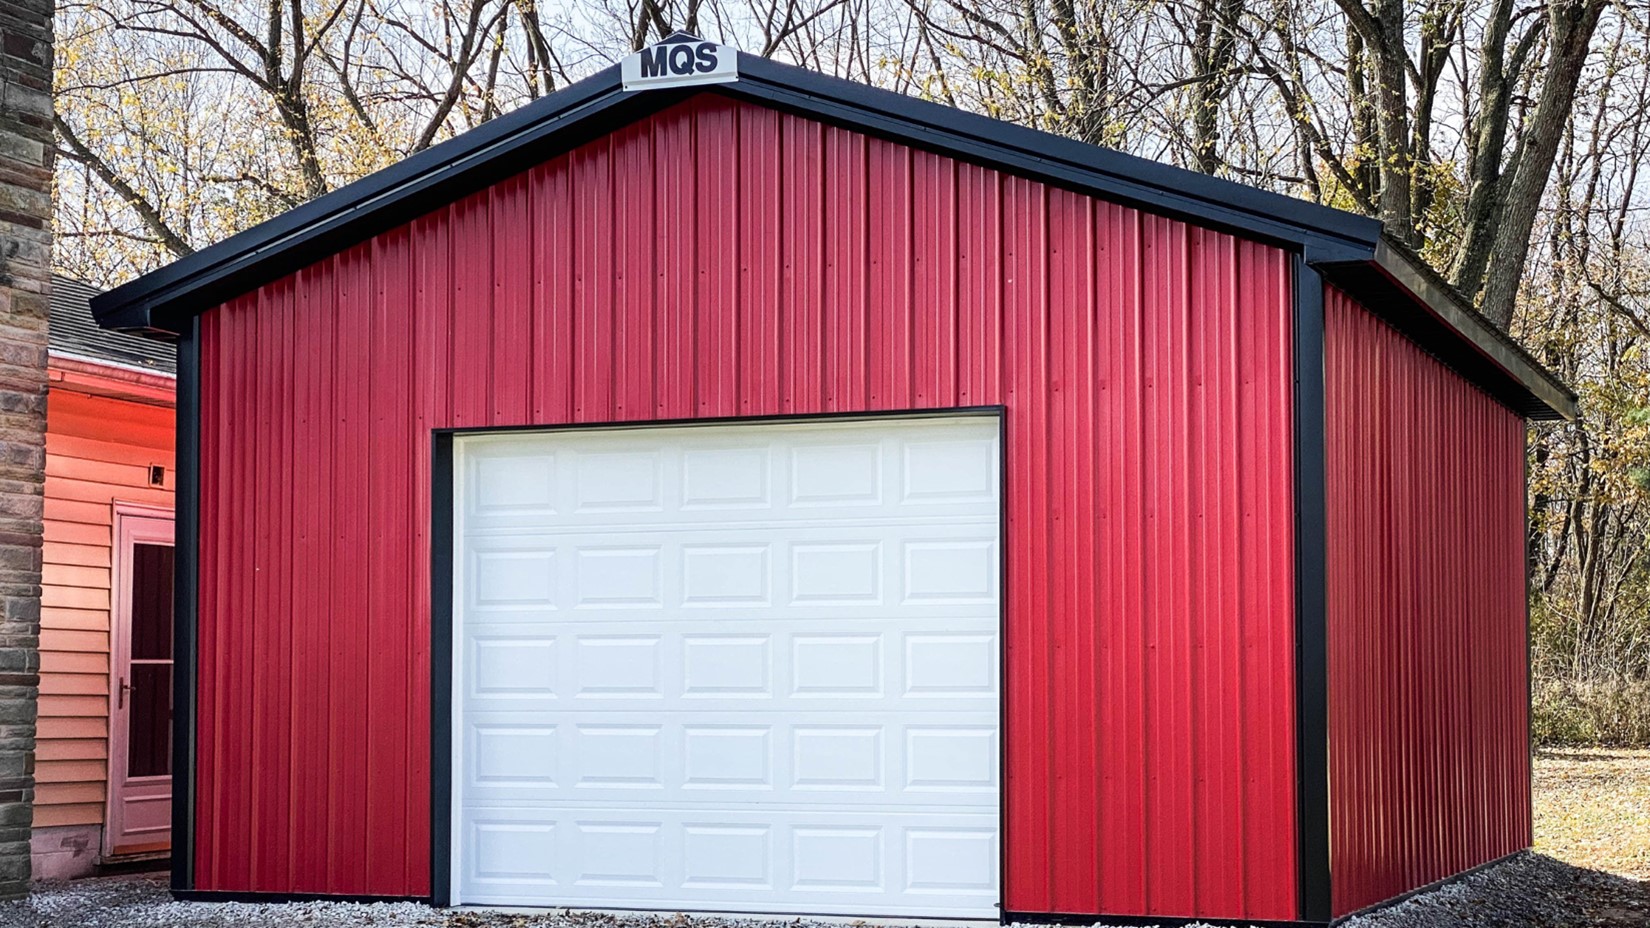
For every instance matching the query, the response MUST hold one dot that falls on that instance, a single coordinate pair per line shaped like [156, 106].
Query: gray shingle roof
[73, 331]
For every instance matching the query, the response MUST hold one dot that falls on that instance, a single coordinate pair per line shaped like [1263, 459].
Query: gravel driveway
[1529, 892]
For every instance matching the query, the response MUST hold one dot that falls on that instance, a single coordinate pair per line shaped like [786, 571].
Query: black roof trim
[1162, 188]
[164, 300]
[1400, 288]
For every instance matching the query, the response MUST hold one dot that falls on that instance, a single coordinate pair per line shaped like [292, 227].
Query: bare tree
[1504, 143]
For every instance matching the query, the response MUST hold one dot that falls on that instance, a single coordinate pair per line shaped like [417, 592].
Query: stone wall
[25, 276]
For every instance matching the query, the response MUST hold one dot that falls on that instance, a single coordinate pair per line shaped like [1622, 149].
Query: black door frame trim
[442, 512]
[441, 667]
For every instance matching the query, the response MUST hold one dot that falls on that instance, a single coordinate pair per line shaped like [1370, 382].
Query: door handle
[121, 691]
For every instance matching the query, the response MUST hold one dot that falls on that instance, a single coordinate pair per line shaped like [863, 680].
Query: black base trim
[1164, 921]
[1430, 887]
[210, 895]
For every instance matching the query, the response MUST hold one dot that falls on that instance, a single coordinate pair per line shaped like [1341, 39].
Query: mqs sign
[677, 61]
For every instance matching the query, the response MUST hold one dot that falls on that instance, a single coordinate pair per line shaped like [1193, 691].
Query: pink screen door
[140, 670]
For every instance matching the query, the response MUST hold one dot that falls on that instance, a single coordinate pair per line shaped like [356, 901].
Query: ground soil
[1592, 808]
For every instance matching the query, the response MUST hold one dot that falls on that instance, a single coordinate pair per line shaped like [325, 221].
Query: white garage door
[729, 668]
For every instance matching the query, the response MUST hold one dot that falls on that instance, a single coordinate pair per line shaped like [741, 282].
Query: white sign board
[680, 61]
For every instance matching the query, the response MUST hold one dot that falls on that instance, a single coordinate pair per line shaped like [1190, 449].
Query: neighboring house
[103, 755]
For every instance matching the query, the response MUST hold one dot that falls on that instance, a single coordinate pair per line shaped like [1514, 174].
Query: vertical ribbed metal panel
[1428, 735]
[721, 259]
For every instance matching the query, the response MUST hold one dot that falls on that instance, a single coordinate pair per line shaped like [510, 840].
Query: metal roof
[73, 331]
[1349, 249]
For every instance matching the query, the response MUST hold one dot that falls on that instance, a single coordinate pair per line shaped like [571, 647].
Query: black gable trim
[560, 122]
[1344, 244]
[1161, 188]
[164, 299]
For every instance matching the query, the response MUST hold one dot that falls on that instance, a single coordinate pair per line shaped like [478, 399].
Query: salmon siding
[99, 451]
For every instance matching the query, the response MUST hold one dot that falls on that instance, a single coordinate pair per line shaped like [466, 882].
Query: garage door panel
[511, 758]
[708, 664]
[511, 852]
[752, 668]
[789, 665]
[823, 569]
[516, 668]
[772, 861]
[686, 523]
[717, 759]
[625, 477]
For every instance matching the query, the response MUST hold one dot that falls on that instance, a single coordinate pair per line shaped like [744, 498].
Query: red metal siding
[1429, 747]
[721, 259]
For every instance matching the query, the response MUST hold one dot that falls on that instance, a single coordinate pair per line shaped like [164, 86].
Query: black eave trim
[1311, 617]
[1114, 175]
[185, 593]
[441, 669]
[164, 298]
[1377, 294]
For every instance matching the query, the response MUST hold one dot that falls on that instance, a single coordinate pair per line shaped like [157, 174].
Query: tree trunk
[1213, 47]
[1392, 121]
[1571, 24]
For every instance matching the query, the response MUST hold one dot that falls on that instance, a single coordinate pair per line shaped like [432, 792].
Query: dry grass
[1592, 808]
[1599, 712]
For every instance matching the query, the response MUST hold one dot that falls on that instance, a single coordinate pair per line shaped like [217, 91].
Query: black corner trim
[1311, 617]
[185, 606]
[1529, 649]
[441, 668]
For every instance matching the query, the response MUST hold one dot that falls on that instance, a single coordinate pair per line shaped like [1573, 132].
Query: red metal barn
[720, 487]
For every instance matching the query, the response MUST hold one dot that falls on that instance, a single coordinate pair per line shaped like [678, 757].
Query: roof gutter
[102, 378]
